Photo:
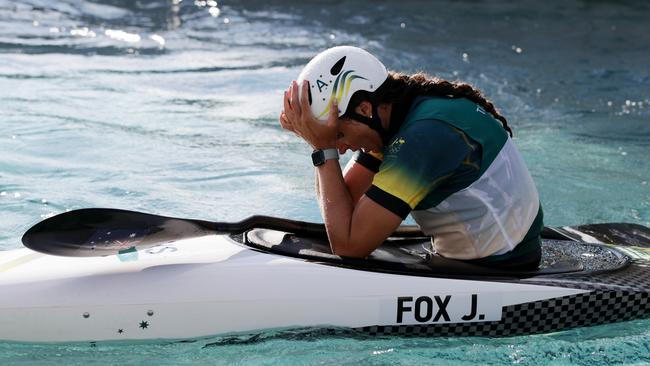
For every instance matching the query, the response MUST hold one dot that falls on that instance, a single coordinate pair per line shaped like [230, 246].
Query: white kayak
[267, 279]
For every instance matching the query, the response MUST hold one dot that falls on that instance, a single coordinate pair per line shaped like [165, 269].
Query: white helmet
[338, 73]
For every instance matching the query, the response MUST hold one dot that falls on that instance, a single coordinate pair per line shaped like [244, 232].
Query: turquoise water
[170, 107]
[615, 344]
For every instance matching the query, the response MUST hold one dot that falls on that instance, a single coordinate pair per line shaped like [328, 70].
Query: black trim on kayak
[409, 256]
[613, 233]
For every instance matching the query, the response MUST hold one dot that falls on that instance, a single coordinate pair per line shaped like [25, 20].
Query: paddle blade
[99, 232]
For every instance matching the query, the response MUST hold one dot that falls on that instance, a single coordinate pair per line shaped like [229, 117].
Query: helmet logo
[341, 88]
[321, 84]
[335, 70]
[338, 66]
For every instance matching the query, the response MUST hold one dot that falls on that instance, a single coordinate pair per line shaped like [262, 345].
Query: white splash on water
[159, 39]
[83, 32]
[214, 11]
[121, 35]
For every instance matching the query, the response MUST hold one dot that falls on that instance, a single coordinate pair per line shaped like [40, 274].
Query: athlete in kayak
[432, 148]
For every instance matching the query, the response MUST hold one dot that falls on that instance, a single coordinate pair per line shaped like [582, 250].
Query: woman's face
[354, 135]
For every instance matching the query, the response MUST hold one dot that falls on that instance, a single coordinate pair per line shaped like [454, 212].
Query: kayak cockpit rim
[401, 256]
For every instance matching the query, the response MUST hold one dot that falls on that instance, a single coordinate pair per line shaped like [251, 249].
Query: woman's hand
[298, 118]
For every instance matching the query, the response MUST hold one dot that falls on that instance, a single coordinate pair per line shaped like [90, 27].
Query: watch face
[318, 157]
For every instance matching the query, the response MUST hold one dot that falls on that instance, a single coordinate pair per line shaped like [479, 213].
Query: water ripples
[170, 107]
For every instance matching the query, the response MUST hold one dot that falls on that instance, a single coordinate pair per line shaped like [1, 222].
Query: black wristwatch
[319, 157]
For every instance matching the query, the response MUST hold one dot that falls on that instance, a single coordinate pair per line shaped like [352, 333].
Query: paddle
[94, 232]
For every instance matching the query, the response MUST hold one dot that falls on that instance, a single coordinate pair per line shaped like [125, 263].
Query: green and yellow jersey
[453, 167]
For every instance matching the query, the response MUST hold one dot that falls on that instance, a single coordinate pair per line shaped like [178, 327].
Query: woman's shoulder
[426, 106]
[427, 113]
[425, 134]
[460, 113]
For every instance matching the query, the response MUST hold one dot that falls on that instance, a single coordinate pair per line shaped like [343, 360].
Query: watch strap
[329, 154]
[319, 157]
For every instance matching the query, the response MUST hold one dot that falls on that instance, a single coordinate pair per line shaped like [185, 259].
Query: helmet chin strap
[373, 122]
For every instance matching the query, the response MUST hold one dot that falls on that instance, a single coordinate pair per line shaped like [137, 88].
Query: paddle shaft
[105, 231]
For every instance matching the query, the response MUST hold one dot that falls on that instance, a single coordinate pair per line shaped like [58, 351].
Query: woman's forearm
[336, 205]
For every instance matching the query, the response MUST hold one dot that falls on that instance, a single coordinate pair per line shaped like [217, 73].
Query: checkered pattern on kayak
[615, 296]
[597, 307]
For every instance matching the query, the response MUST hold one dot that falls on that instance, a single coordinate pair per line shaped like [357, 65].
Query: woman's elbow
[349, 251]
